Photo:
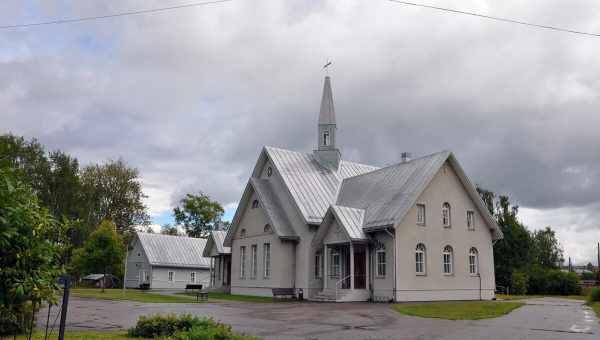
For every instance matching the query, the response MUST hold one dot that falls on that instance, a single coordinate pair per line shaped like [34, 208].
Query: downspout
[393, 236]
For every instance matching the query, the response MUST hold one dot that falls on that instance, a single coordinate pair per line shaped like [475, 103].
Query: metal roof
[215, 239]
[272, 208]
[313, 187]
[351, 219]
[174, 251]
[387, 194]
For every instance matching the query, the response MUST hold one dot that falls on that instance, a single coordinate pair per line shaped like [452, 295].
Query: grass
[131, 295]
[596, 307]
[81, 335]
[242, 298]
[467, 310]
[523, 297]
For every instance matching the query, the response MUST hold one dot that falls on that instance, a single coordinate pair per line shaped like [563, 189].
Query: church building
[334, 230]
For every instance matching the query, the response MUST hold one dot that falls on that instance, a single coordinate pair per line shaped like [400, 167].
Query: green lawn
[81, 335]
[131, 295]
[243, 298]
[523, 297]
[596, 307]
[471, 310]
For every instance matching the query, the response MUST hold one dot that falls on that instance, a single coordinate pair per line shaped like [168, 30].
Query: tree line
[526, 261]
[57, 216]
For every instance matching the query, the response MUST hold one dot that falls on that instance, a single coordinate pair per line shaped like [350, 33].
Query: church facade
[335, 230]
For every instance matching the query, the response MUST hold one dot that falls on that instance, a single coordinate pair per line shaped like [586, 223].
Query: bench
[144, 286]
[193, 287]
[291, 292]
[200, 295]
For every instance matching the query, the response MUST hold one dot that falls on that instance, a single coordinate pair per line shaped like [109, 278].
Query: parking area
[547, 318]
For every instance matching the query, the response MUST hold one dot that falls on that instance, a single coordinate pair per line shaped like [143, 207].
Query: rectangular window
[193, 277]
[254, 262]
[267, 260]
[420, 262]
[335, 264]
[380, 263]
[471, 220]
[218, 268]
[171, 276]
[421, 214]
[447, 263]
[242, 262]
[318, 265]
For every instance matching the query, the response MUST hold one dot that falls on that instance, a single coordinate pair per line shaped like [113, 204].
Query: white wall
[136, 261]
[383, 286]
[445, 187]
[181, 277]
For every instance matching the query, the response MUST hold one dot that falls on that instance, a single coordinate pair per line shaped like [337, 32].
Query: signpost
[65, 281]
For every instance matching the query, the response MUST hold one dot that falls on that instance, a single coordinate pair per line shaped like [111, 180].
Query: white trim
[422, 222]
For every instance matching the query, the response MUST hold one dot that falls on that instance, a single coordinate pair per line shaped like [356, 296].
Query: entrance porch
[345, 272]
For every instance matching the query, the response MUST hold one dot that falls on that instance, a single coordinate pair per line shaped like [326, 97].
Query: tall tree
[198, 214]
[30, 251]
[546, 249]
[103, 252]
[168, 229]
[113, 191]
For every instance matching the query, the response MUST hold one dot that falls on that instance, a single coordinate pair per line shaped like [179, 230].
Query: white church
[333, 230]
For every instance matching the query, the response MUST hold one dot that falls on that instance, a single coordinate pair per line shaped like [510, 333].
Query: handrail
[340, 281]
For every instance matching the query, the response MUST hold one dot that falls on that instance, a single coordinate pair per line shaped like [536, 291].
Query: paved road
[547, 318]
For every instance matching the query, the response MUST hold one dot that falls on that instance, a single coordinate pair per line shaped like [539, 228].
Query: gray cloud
[190, 97]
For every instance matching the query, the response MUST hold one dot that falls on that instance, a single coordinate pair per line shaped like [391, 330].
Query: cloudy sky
[190, 96]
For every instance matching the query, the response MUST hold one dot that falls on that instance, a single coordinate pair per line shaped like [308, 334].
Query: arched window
[381, 260]
[420, 262]
[447, 260]
[243, 233]
[446, 217]
[473, 261]
[326, 138]
[269, 171]
[254, 204]
[268, 228]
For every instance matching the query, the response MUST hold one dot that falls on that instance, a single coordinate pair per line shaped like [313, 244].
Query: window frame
[255, 204]
[171, 276]
[242, 262]
[421, 250]
[446, 215]
[253, 261]
[470, 220]
[326, 138]
[192, 277]
[380, 266]
[266, 261]
[335, 264]
[449, 253]
[474, 266]
[421, 206]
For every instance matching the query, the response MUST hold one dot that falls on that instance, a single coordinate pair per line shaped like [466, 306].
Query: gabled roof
[327, 112]
[351, 219]
[387, 194]
[215, 239]
[174, 251]
[312, 187]
[271, 206]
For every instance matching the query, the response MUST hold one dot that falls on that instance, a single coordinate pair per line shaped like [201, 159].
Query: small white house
[167, 262]
[220, 257]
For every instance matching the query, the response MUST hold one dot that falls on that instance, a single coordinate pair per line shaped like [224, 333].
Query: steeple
[327, 153]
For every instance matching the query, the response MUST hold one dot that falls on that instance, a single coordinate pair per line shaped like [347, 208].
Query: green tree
[168, 229]
[198, 214]
[30, 250]
[103, 252]
[113, 191]
[546, 249]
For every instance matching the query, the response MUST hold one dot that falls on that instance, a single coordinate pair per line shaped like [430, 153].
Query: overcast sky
[190, 96]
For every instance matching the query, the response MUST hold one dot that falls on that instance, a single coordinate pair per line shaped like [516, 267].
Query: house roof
[272, 207]
[313, 187]
[174, 251]
[351, 219]
[215, 239]
[387, 194]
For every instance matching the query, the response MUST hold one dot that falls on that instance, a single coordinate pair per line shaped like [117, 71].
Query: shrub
[212, 331]
[595, 295]
[164, 325]
[519, 283]
[553, 281]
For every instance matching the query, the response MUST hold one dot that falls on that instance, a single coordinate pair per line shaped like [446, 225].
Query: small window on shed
[254, 204]
[268, 228]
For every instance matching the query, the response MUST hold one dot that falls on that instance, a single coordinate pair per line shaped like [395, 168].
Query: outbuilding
[166, 262]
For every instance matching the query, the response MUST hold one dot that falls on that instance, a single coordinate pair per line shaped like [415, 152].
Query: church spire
[327, 153]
